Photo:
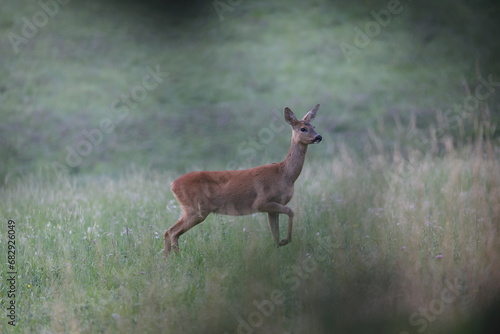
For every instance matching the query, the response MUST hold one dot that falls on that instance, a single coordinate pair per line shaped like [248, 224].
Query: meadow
[381, 245]
[104, 103]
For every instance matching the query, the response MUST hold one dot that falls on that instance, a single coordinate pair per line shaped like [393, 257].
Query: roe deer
[266, 188]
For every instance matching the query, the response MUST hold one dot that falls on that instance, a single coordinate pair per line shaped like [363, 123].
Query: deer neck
[294, 161]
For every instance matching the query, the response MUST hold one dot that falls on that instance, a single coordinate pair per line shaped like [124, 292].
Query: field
[104, 103]
[378, 247]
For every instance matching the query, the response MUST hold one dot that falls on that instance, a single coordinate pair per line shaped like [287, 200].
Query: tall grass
[383, 244]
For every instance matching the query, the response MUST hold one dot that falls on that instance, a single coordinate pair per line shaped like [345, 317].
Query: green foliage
[227, 77]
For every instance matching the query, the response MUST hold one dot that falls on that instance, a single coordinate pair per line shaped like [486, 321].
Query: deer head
[303, 130]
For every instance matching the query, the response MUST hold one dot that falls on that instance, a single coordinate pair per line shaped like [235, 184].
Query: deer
[267, 188]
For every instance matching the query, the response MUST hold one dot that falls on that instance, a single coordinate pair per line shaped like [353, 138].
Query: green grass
[374, 242]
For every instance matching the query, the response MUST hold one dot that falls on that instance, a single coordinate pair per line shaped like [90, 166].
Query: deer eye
[303, 129]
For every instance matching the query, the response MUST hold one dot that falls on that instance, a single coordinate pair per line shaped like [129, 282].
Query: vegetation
[378, 246]
[397, 210]
[223, 80]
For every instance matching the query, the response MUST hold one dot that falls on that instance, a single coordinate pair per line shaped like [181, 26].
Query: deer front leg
[274, 224]
[274, 209]
[289, 235]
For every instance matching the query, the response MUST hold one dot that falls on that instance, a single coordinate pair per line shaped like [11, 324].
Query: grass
[377, 243]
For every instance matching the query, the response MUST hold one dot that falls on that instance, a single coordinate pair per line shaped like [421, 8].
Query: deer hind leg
[187, 222]
[168, 239]
[274, 208]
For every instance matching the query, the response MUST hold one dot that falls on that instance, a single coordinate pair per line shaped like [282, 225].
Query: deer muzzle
[317, 139]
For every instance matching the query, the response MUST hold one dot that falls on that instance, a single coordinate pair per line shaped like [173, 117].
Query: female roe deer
[266, 188]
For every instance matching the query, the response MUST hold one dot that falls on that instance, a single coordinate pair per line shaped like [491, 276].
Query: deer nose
[317, 139]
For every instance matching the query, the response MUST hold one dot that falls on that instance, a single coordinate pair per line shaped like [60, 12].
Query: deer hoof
[283, 242]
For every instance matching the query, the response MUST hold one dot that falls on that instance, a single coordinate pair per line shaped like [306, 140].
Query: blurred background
[94, 87]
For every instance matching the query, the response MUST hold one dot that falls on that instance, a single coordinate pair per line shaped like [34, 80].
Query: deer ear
[290, 117]
[311, 114]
